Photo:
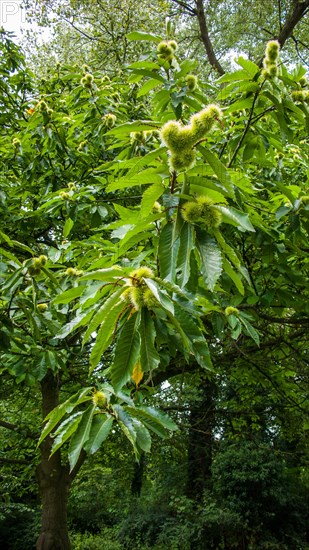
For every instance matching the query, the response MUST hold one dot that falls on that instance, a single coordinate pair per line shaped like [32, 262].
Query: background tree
[211, 32]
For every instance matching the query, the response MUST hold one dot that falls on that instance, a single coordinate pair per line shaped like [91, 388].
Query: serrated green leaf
[194, 332]
[53, 418]
[155, 420]
[66, 429]
[219, 170]
[102, 315]
[227, 249]
[5, 238]
[137, 35]
[168, 251]
[149, 197]
[235, 217]
[186, 244]
[143, 438]
[107, 274]
[81, 436]
[248, 65]
[100, 429]
[69, 295]
[235, 76]
[67, 227]
[235, 278]
[126, 352]
[149, 355]
[147, 86]
[125, 422]
[211, 259]
[146, 177]
[250, 330]
[162, 298]
[104, 335]
[82, 319]
[11, 256]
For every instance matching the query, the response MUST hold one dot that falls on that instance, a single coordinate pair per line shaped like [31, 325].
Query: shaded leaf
[149, 355]
[126, 352]
[211, 260]
[100, 429]
[186, 243]
[81, 436]
[168, 251]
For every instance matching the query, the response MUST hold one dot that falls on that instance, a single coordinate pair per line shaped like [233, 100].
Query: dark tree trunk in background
[137, 479]
[214, 62]
[54, 482]
[202, 422]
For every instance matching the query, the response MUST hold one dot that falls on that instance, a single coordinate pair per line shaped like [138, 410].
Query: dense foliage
[154, 281]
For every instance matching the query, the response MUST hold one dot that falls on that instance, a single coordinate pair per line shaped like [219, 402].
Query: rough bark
[200, 445]
[54, 482]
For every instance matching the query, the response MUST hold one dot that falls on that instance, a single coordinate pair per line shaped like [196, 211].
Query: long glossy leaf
[250, 330]
[194, 332]
[58, 413]
[80, 320]
[135, 164]
[126, 352]
[162, 298]
[108, 274]
[154, 420]
[105, 333]
[100, 429]
[236, 217]
[69, 295]
[66, 430]
[211, 260]
[149, 197]
[125, 422]
[186, 243]
[102, 312]
[149, 85]
[137, 35]
[234, 276]
[167, 252]
[81, 436]
[227, 249]
[146, 177]
[143, 438]
[219, 169]
[149, 355]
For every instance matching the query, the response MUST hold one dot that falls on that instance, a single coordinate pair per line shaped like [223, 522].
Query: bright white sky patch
[12, 16]
[14, 19]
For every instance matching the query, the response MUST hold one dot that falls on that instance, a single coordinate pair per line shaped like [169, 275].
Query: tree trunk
[137, 479]
[214, 62]
[54, 482]
[202, 421]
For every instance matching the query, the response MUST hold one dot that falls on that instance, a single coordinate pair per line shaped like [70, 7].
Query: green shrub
[19, 526]
[102, 541]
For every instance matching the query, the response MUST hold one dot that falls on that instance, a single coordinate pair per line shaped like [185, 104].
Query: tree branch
[9, 426]
[18, 429]
[15, 461]
[191, 11]
[242, 137]
[300, 9]
[205, 37]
